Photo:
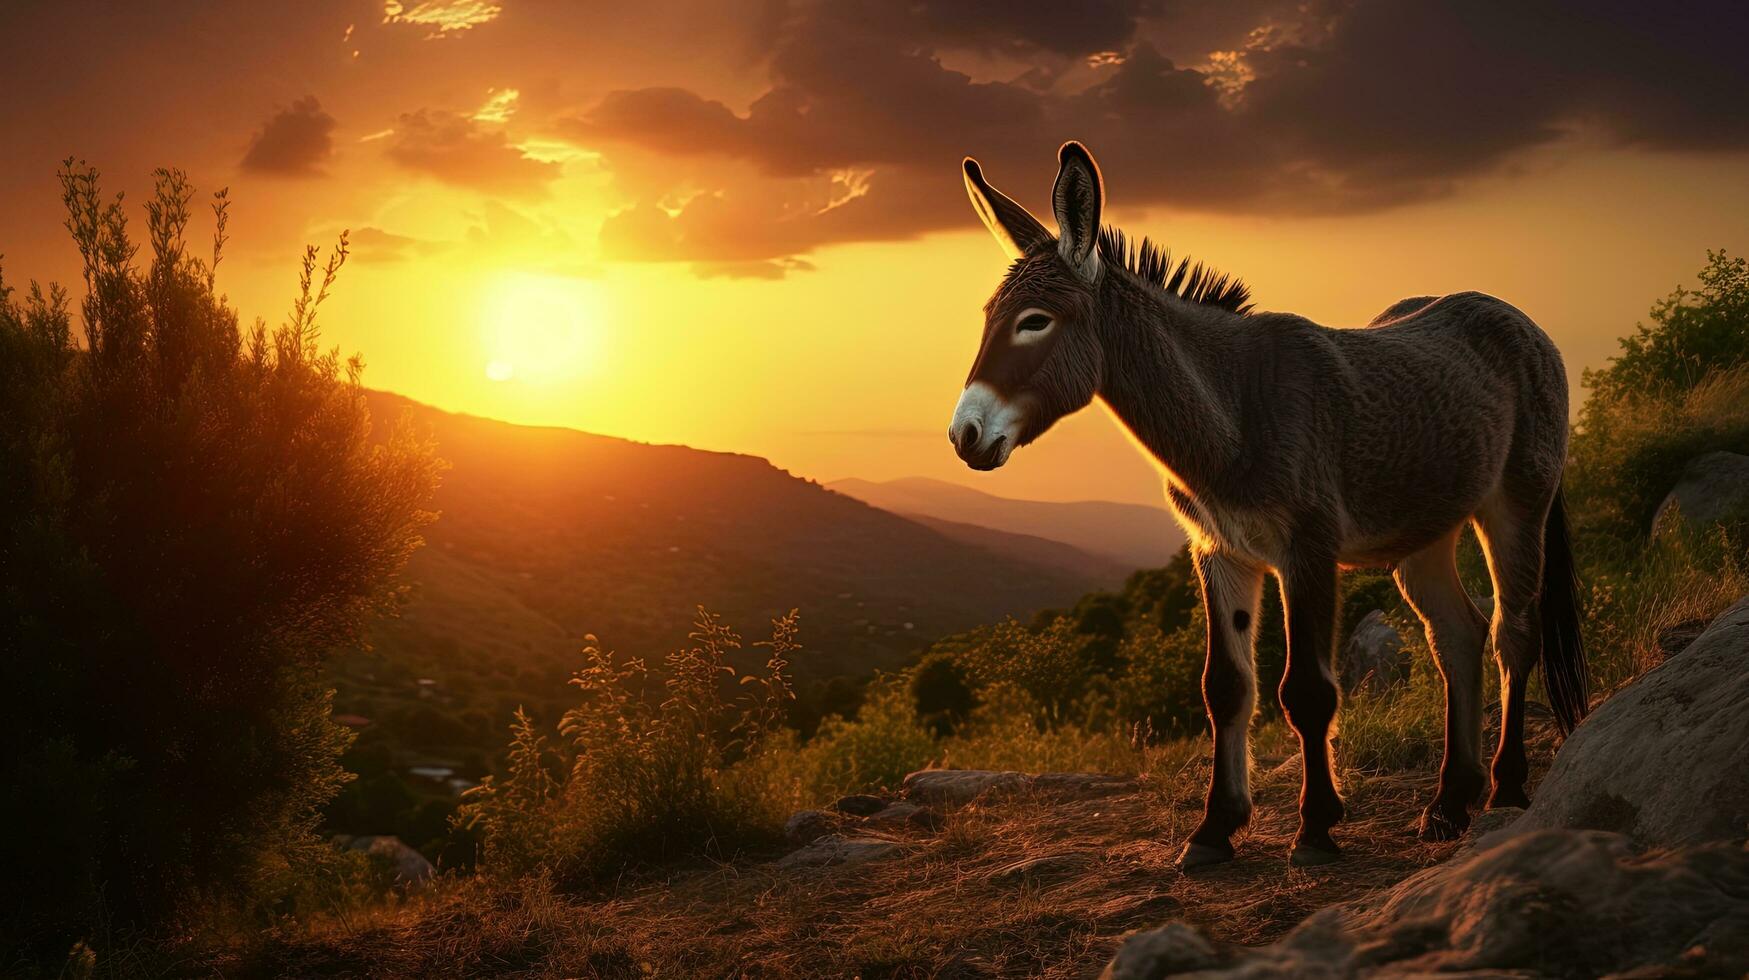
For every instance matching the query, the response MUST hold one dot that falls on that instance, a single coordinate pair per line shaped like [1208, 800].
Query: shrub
[1160, 688]
[1680, 387]
[647, 779]
[192, 516]
[873, 751]
[940, 692]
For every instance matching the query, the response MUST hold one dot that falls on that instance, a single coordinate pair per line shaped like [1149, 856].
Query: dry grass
[951, 904]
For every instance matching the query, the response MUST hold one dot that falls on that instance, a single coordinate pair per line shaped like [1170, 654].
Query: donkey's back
[1440, 403]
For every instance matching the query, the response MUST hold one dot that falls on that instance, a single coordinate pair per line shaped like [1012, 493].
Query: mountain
[1132, 535]
[547, 534]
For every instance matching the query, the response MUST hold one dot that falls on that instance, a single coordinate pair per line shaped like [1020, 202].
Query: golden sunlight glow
[541, 328]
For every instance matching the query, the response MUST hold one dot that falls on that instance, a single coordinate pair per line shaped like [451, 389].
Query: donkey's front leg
[1308, 697]
[1230, 593]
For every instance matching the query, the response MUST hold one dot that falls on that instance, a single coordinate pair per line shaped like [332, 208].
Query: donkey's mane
[1192, 281]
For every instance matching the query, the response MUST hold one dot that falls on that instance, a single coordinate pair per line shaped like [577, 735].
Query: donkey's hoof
[1196, 856]
[1439, 824]
[1311, 854]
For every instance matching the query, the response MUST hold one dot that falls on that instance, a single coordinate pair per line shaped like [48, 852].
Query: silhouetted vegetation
[192, 515]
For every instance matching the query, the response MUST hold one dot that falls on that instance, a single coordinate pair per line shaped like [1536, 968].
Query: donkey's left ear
[1078, 198]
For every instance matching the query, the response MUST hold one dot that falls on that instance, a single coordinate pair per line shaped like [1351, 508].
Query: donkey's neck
[1168, 378]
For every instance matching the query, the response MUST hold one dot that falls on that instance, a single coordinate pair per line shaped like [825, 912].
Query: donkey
[1294, 449]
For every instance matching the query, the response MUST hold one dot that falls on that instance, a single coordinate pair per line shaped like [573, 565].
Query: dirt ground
[1033, 883]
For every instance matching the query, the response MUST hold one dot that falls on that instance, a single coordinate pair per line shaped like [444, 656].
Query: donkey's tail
[1565, 675]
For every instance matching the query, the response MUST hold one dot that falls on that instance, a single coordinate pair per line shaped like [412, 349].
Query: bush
[647, 779]
[1680, 387]
[869, 753]
[940, 692]
[192, 516]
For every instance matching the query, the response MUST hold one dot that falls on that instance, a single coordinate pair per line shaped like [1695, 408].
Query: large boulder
[1666, 760]
[1713, 487]
[1374, 655]
[1552, 903]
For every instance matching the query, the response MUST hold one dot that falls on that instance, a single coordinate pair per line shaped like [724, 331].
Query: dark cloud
[295, 142]
[1023, 26]
[1328, 106]
[458, 150]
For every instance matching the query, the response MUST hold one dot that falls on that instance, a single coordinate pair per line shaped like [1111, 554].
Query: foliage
[940, 692]
[1680, 387]
[1678, 583]
[649, 769]
[871, 752]
[192, 516]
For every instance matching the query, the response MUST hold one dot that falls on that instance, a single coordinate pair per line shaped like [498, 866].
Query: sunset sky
[740, 225]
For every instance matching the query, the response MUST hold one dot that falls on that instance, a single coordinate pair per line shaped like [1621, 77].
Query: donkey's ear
[1078, 199]
[1016, 230]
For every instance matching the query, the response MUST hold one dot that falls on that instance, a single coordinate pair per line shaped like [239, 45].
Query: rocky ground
[962, 875]
[1632, 862]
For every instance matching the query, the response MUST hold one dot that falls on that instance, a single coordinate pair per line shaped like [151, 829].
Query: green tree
[192, 516]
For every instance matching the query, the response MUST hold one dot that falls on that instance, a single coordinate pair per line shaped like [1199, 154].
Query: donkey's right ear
[1016, 230]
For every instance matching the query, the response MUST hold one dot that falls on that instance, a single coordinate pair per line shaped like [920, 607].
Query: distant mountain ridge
[1133, 535]
[547, 534]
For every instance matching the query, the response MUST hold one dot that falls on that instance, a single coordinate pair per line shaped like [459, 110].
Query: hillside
[548, 534]
[1132, 535]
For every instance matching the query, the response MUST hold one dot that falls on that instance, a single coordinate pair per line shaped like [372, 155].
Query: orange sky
[528, 248]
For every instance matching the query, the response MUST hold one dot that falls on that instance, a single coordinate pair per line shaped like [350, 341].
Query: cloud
[459, 150]
[294, 142]
[1329, 106]
[442, 18]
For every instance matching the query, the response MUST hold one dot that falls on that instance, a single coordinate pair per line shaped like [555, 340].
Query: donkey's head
[1040, 358]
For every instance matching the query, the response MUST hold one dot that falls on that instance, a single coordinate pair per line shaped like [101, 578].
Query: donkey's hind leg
[1231, 591]
[1455, 629]
[1512, 538]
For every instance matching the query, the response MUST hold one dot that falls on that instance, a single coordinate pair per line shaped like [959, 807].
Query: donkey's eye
[1033, 322]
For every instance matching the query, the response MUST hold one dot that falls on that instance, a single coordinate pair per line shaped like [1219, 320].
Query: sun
[541, 328]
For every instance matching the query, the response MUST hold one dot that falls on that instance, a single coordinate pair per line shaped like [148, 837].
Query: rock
[860, 805]
[902, 814]
[1083, 783]
[839, 850]
[1172, 948]
[1662, 760]
[807, 826]
[410, 867]
[1550, 902]
[1490, 821]
[1374, 655]
[1713, 487]
[1561, 888]
[1034, 869]
[956, 787]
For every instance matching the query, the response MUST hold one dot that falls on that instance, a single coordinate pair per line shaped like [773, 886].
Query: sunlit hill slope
[547, 534]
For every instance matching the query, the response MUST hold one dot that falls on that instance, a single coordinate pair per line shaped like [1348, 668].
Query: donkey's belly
[1409, 529]
[1265, 538]
[1254, 535]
